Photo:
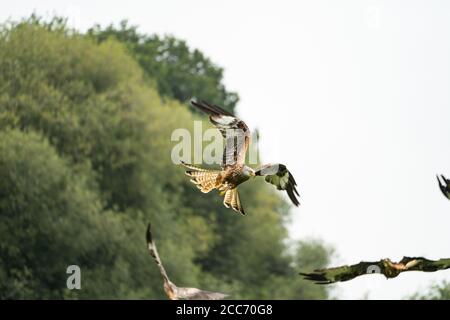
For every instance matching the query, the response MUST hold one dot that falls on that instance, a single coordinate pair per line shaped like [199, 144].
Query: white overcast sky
[352, 95]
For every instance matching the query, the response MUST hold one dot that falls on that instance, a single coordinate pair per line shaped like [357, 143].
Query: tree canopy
[85, 126]
[178, 71]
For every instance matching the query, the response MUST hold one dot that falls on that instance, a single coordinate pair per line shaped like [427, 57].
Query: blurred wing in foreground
[172, 291]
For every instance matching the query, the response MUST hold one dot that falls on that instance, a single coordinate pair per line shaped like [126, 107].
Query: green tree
[50, 221]
[179, 72]
[92, 135]
[91, 104]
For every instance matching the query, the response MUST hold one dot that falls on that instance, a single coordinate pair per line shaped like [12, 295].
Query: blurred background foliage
[176, 70]
[435, 292]
[85, 127]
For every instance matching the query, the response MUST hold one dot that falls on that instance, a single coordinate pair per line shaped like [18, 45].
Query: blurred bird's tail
[206, 180]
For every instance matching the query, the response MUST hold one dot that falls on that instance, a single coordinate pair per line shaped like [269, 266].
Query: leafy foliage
[179, 72]
[85, 165]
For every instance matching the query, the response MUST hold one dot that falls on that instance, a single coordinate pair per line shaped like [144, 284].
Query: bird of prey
[444, 188]
[172, 291]
[385, 266]
[233, 169]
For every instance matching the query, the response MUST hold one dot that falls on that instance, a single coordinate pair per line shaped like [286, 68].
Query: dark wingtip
[210, 109]
[242, 212]
[303, 274]
[441, 184]
[194, 103]
[318, 278]
[148, 234]
[292, 196]
[202, 107]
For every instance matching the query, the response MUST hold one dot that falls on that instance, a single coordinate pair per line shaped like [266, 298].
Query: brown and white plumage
[385, 266]
[233, 169]
[231, 199]
[235, 132]
[206, 180]
[172, 291]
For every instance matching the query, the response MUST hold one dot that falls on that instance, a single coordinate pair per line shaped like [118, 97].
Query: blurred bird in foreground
[444, 188]
[172, 291]
[385, 266]
[234, 171]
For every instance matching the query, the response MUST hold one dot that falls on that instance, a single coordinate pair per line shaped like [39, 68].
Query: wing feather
[279, 176]
[235, 132]
[425, 265]
[343, 273]
[384, 266]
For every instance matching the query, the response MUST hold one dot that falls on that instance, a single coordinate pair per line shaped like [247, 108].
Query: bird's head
[248, 172]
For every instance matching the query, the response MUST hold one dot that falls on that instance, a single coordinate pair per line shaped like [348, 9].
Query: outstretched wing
[235, 132]
[154, 253]
[344, 273]
[425, 265]
[385, 266]
[197, 294]
[280, 177]
[179, 293]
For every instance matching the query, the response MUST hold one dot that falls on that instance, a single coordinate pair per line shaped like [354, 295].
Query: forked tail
[231, 199]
